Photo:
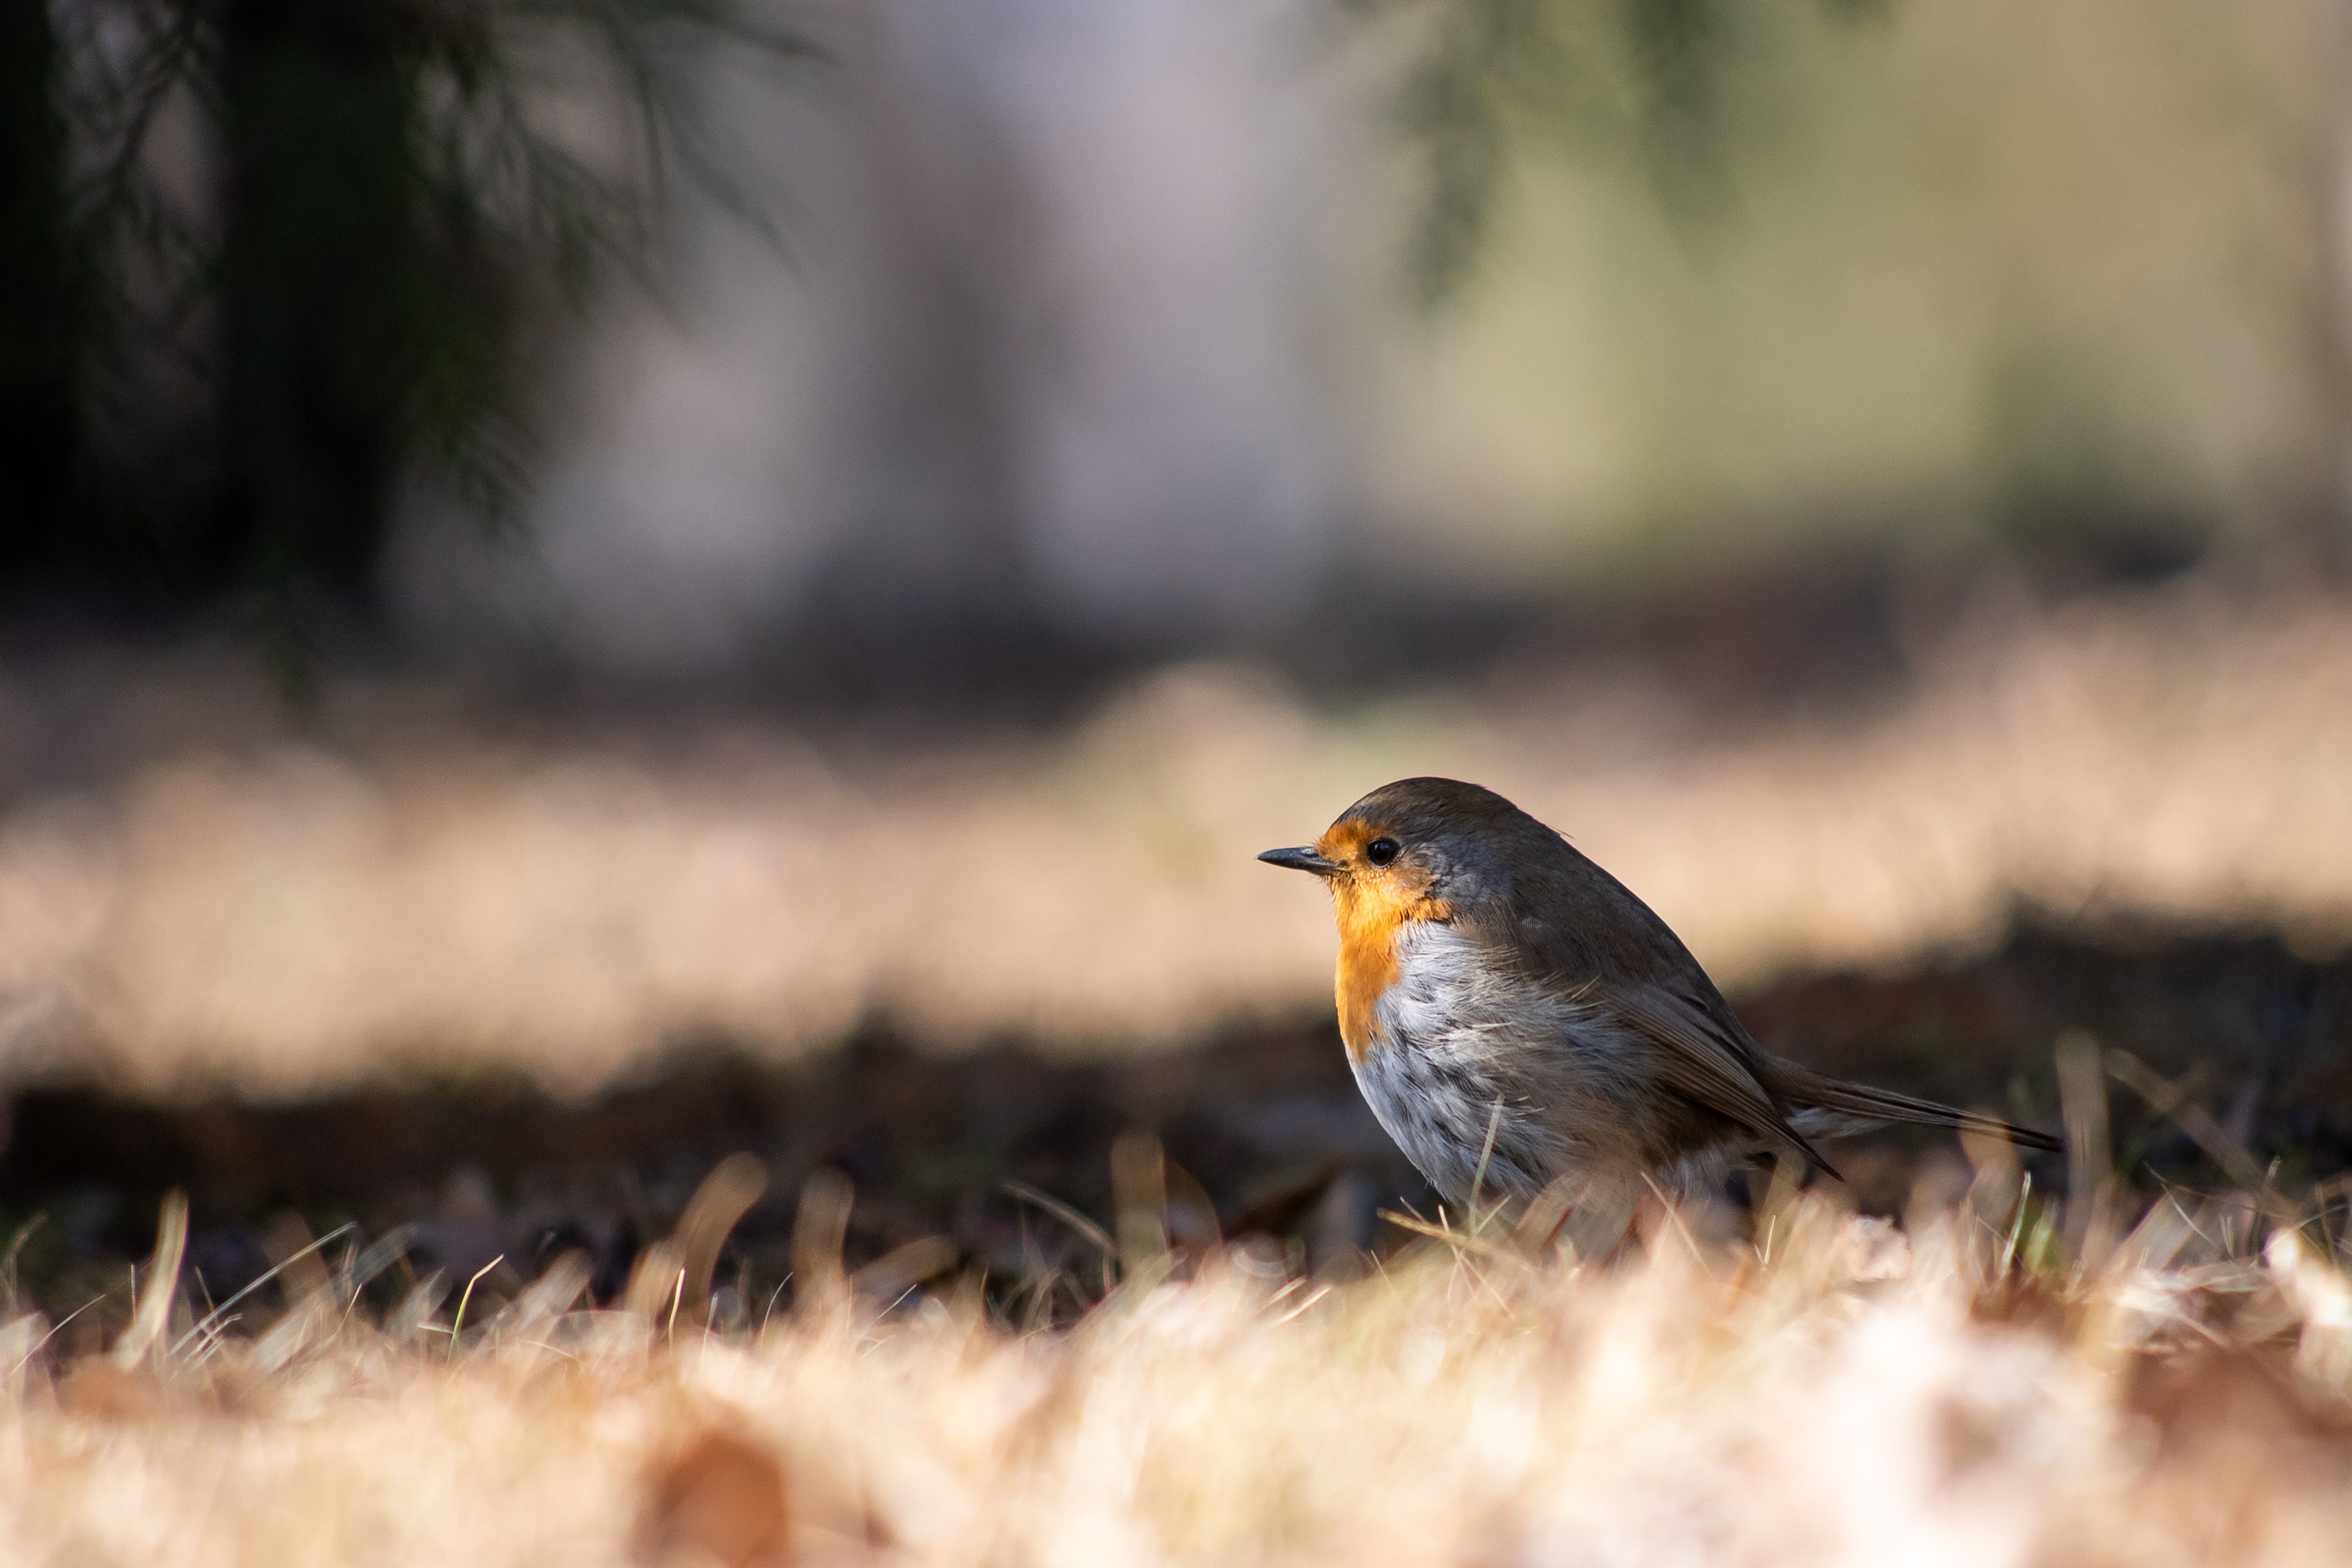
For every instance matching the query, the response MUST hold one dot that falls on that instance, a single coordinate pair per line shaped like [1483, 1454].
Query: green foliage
[1490, 77]
[266, 255]
[1482, 54]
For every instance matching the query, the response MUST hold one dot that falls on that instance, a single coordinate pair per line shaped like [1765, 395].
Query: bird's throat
[1370, 917]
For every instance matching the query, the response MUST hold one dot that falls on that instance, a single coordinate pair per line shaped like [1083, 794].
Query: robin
[1514, 1016]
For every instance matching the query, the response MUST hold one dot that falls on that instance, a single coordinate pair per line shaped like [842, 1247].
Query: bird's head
[1413, 849]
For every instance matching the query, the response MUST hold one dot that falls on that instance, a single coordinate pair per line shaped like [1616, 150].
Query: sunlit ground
[1991, 1388]
[193, 890]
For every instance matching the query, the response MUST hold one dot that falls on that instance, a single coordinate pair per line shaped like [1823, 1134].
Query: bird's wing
[1698, 1059]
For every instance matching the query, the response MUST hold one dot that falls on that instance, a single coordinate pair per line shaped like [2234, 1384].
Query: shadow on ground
[1263, 1132]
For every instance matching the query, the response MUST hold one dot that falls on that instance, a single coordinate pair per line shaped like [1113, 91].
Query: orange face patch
[1371, 902]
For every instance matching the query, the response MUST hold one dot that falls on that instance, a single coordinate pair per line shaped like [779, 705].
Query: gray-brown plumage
[1515, 1015]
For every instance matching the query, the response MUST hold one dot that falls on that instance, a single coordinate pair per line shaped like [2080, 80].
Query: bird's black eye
[1381, 851]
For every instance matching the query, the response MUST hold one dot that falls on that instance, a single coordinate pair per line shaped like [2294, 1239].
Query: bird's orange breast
[1370, 918]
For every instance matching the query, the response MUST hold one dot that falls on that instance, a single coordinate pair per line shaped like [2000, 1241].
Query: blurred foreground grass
[190, 895]
[2005, 1381]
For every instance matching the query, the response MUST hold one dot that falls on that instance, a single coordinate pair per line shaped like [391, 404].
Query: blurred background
[689, 563]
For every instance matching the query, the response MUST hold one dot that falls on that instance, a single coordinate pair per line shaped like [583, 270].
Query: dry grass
[2001, 1381]
[1841, 1392]
[201, 895]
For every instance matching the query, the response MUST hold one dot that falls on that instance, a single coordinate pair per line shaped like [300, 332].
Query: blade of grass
[268, 1275]
[2167, 1099]
[1061, 1211]
[458, 1322]
[152, 1314]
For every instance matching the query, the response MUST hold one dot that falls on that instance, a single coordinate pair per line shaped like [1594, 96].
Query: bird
[1519, 1021]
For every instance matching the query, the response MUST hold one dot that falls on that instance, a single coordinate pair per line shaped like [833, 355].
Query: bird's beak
[1302, 858]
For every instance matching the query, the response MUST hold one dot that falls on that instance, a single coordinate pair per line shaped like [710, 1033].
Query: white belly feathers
[1452, 1041]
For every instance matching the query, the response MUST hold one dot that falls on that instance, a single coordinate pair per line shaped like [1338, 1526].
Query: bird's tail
[1824, 1107]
